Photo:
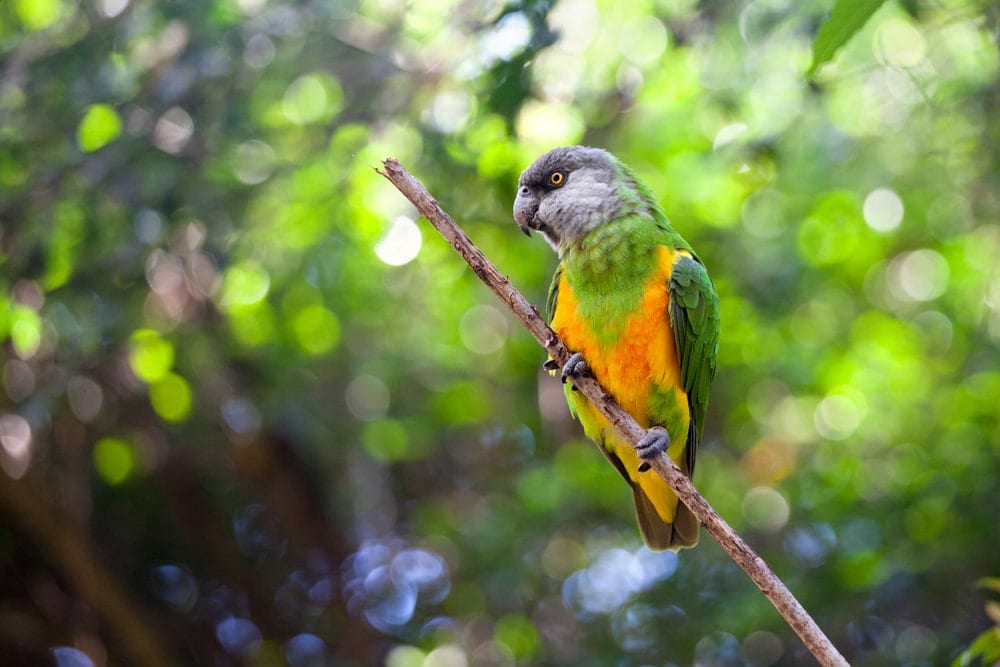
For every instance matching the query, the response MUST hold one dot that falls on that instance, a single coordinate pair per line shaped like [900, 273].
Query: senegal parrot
[637, 309]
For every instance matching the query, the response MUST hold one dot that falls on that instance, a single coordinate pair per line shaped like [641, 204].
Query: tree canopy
[255, 412]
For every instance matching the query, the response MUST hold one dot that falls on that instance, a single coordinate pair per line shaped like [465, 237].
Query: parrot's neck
[622, 249]
[609, 269]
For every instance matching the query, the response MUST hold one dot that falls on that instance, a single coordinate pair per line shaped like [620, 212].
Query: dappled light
[400, 244]
[253, 410]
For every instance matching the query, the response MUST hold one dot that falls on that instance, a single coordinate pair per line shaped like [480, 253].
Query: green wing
[550, 302]
[694, 317]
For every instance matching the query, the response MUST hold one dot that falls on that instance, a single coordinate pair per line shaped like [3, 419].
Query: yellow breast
[644, 356]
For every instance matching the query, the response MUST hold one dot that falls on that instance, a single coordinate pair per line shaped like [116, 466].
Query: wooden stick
[755, 567]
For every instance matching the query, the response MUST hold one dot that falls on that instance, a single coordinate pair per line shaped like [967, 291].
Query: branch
[755, 567]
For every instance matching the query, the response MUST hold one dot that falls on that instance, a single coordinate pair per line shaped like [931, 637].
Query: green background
[255, 412]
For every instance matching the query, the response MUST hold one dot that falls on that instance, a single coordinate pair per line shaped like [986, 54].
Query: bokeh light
[401, 243]
[114, 460]
[883, 210]
[150, 356]
[15, 445]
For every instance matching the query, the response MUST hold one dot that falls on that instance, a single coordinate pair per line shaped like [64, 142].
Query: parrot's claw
[575, 367]
[551, 365]
[652, 445]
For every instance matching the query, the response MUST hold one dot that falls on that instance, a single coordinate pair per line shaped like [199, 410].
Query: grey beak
[525, 208]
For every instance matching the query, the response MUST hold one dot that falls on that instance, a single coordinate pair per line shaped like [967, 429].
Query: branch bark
[787, 605]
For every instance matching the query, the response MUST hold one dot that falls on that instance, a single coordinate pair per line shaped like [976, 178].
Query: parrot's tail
[659, 534]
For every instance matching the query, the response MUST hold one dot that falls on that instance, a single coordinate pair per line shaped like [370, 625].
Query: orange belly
[642, 360]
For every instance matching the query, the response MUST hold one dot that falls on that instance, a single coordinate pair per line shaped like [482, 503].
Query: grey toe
[575, 366]
[653, 443]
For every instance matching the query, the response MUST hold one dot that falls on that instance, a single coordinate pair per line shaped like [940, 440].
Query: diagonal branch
[755, 567]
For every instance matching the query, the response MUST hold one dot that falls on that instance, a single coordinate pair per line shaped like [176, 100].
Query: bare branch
[755, 567]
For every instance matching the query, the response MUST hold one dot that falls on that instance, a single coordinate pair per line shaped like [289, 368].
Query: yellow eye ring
[557, 178]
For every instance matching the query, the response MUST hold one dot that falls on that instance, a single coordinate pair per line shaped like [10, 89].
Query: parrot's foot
[551, 365]
[575, 367]
[652, 445]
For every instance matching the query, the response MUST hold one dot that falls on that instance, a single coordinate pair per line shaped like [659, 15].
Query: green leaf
[100, 126]
[846, 18]
[992, 583]
[984, 650]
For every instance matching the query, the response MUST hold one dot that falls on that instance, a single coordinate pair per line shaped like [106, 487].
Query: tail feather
[659, 534]
[649, 490]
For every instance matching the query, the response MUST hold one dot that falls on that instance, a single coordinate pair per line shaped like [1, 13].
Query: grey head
[568, 192]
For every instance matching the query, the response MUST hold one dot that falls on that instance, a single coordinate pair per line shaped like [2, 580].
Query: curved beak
[525, 208]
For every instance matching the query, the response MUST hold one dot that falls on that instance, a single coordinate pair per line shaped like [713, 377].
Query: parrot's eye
[557, 178]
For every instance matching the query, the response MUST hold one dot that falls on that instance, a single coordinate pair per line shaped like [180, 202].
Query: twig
[755, 567]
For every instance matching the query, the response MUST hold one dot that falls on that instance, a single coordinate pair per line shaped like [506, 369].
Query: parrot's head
[570, 191]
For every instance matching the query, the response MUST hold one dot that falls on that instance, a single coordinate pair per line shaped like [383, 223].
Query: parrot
[638, 311]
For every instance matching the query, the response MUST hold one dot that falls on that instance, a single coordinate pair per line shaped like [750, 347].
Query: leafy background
[253, 412]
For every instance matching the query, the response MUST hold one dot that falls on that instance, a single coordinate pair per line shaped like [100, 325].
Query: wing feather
[694, 318]
[550, 302]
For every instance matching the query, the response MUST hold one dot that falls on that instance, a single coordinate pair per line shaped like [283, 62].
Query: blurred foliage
[281, 423]
[985, 649]
[845, 20]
